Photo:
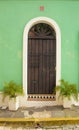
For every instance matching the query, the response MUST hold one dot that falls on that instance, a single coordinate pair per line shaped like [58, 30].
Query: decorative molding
[42, 30]
[41, 97]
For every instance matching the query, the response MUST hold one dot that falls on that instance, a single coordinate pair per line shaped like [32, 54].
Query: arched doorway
[28, 26]
[41, 62]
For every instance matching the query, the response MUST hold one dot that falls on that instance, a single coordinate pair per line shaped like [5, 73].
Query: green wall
[15, 14]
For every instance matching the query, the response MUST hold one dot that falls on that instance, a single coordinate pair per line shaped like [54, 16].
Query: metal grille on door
[41, 61]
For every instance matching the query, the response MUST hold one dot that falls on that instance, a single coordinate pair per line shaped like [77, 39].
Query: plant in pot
[66, 92]
[12, 90]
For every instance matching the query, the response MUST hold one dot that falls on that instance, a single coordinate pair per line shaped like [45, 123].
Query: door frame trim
[55, 26]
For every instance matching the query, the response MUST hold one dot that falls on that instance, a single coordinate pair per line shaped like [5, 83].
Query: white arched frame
[55, 26]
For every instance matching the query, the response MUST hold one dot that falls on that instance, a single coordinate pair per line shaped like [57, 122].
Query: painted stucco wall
[15, 14]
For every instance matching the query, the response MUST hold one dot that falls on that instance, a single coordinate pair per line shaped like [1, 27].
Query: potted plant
[67, 91]
[12, 90]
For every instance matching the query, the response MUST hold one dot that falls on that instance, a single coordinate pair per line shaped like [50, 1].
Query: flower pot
[14, 104]
[67, 103]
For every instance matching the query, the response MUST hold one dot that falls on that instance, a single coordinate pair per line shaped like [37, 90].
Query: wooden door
[41, 59]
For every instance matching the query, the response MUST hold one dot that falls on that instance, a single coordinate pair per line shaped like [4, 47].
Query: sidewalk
[43, 112]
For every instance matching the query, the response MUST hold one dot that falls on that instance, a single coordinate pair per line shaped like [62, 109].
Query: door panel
[41, 66]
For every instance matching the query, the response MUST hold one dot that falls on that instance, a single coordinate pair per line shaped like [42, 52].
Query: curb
[49, 121]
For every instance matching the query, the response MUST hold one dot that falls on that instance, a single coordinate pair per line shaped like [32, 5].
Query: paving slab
[43, 114]
[58, 114]
[71, 113]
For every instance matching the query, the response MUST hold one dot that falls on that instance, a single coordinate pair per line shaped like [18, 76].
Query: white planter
[14, 104]
[67, 103]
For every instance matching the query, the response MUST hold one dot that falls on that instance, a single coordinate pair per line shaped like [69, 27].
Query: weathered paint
[15, 14]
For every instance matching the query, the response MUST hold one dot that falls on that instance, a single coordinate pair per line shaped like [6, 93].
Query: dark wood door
[41, 60]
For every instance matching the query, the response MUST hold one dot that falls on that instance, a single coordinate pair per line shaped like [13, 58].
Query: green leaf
[12, 90]
[67, 89]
